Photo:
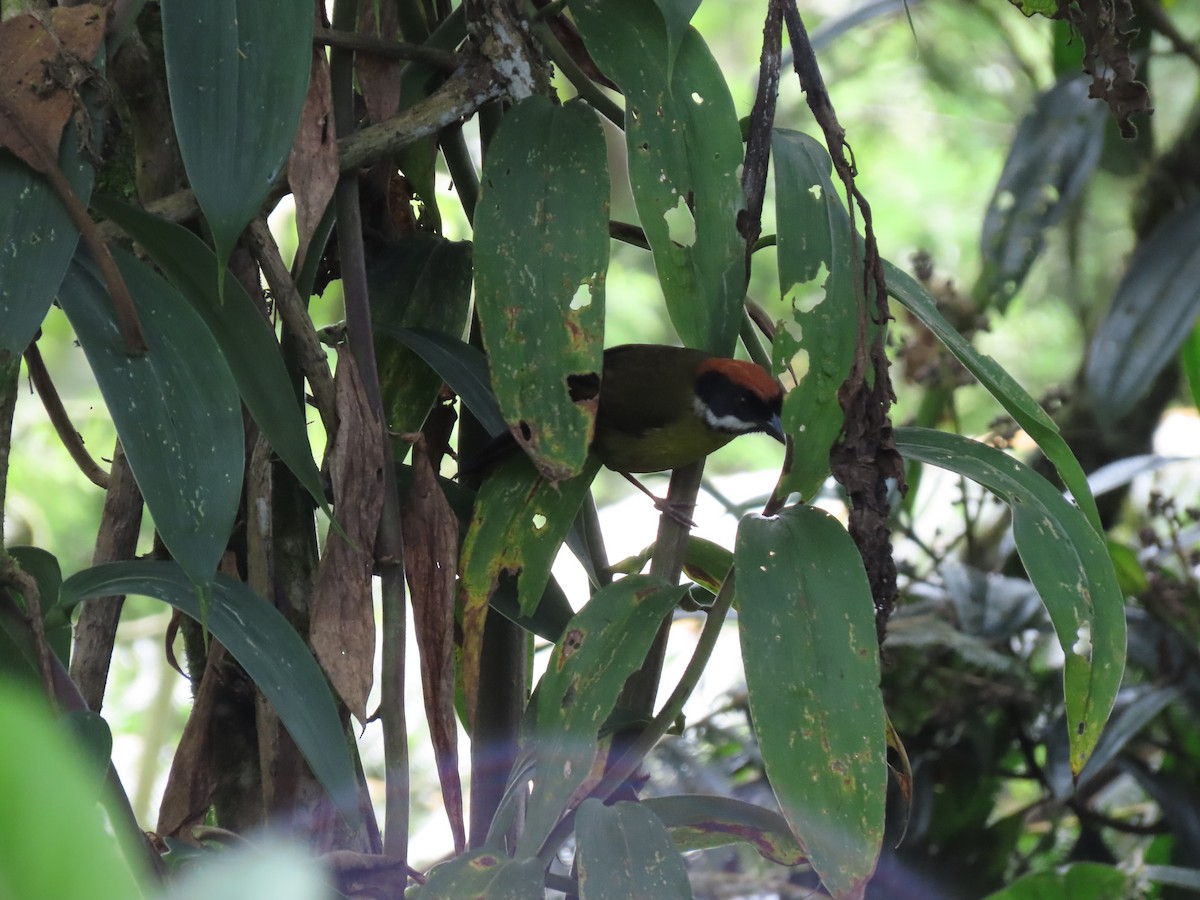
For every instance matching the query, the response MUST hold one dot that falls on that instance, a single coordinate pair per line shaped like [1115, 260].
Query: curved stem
[60, 420]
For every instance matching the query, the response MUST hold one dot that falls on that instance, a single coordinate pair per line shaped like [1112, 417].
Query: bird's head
[736, 397]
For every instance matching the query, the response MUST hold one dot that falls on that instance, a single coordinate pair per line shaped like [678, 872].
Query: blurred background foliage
[931, 95]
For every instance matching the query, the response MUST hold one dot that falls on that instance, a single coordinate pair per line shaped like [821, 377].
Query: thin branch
[362, 43]
[1163, 25]
[389, 541]
[60, 420]
[758, 141]
[292, 310]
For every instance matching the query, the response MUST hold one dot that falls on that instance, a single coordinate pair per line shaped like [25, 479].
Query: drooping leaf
[246, 339]
[421, 282]
[816, 276]
[685, 154]
[1067, 562]
[807, 626]
[1050, 162]
[1015, 399]
[625, 851]
[519, 522]
[266, 646]
[430, 566]
[541, 258]
[603, 645]
[39, 241]
[237, 73]
[700, 822]
[342, 608]
[460, 365]
[1152, 314]
[175, 408]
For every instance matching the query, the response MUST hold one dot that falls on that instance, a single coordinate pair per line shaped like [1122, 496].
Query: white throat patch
[728, 424]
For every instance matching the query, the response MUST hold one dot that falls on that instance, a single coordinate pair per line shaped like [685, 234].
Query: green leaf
[603, 645]
[807, 625]
[817, 278]
[541, 259]
[676, 16]
[1189, 356]
[1152, 314]
[237, 73]
[461, 366]
[701, 822]
[44, 569]
[1015, 399]
[1067, 562]
[1050, 162]
[39, 241]
[707, 563]
[1077, 881]
[264, 644]
[50, 808]
[175, 409]
[685, 153]
[483, 874]
[422, 281]
[246, 339]
[625, 851]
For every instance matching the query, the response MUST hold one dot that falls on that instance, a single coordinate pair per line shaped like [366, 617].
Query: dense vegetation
[294, 270]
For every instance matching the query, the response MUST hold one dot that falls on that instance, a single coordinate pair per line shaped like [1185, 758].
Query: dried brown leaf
[378, 76]
[313, 164]
[342, 622]
[45, 62]
[192, 781]
[430, 561]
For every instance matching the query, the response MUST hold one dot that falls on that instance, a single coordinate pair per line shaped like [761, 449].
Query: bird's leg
[661, 504]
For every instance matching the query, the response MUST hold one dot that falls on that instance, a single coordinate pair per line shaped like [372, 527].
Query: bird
[662, 407]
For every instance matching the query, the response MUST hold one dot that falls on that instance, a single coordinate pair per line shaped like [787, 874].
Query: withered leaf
[45, 61]
[342, 622]
[378, 77]
[430, 561]
[313, 164]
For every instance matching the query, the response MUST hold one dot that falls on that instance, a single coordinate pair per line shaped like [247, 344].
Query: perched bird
[661, 407]
[665, 407]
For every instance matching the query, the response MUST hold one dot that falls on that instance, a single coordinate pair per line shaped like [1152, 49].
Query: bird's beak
[775, 429]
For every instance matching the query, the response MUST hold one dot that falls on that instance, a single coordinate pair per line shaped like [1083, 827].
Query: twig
[758, 141]
[292, 310]
[364, 43]
[60, 420]
[389, 542]
[1163, 25]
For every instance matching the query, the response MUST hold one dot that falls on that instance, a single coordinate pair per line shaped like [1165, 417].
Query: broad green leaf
[175, 409]
[1067, 562]
[237, 73]
[1077, 881]
[50, 808]
[541, 259]
[603, 645]
[246, 339]
[44, 569]
[1152, 314]
[1050, 162]
[518, 525]
[625, 851]
[700, 822]
[423, 281]
[1015, 399]
[461, 366]
[676, 16]
[807, 626]
[483, 874]
[38, 241]
[816, 277]
[685, 155]
[264, 644]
